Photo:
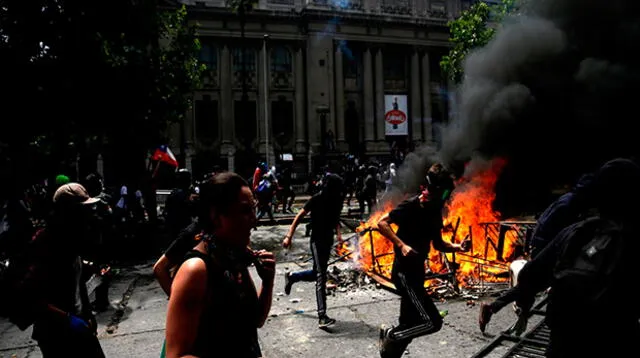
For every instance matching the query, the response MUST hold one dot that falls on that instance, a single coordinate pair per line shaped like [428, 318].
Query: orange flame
[469, 207]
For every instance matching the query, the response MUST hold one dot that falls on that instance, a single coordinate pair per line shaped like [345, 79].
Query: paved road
[134, 325]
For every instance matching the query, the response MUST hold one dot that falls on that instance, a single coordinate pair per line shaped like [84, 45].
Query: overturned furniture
[532, 344]
[485, 268]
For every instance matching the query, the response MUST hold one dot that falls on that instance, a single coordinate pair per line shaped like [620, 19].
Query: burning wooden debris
[469, 215]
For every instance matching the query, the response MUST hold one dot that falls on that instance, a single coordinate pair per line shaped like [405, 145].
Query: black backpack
[589, 274]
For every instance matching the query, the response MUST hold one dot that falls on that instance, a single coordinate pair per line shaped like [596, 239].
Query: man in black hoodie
[588, 267]
[419, 221]
[568, 209]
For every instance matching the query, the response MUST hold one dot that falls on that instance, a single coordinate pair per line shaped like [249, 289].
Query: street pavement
[134, 324]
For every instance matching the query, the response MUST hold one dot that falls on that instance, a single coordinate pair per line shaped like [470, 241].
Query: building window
[401, 7]
[282, 119]
[206, 118]
[208, 56]
[281, 73]
[395, 70]
[244, 60]
[352, 70]
[438, 8]
[245, 118]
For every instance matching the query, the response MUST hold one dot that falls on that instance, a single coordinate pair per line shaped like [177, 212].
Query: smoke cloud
[554, 93]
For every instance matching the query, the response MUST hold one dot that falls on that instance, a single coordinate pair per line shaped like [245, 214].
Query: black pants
[321, 250]
[286, 196]
[419, 316]
[265, 208]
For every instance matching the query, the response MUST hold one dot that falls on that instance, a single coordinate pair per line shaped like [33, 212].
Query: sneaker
[287, 283]
[325, 322]
[485, 316]
[519, 327]
[390, 348]
[384, 336]
[383, 341]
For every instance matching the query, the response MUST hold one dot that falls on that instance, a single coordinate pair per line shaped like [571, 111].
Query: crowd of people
[581, 253]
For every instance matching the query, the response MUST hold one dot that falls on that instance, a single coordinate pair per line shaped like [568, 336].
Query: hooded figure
[568, 209]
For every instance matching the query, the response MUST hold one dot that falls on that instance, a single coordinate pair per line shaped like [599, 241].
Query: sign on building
[395, 115]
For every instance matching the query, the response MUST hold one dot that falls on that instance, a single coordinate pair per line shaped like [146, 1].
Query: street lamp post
[266, 98]
[243, 54]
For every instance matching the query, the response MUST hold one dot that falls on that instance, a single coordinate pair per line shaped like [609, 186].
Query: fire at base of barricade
[482, 271]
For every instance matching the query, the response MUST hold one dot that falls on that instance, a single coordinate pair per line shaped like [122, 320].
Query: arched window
[208, 56]
[281, 69]
[395, 70]
[352, 62]
[244, 60]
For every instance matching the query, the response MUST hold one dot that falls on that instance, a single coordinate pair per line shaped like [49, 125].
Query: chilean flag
[164, 154]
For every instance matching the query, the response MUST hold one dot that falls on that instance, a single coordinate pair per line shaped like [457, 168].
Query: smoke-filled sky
[556, 93]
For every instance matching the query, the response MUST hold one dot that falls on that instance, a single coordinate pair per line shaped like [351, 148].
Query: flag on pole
[164, 154]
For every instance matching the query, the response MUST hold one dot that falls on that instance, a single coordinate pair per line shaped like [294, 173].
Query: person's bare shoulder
[191, 277]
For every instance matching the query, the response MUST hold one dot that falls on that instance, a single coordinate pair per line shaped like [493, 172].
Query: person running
[419, 221]
[567, 210]
[325, 208]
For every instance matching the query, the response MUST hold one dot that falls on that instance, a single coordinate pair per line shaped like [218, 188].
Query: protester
[325, 208]
[568, 209]
[214, 308]
[419, 221]
[588, 267]
[53, 291]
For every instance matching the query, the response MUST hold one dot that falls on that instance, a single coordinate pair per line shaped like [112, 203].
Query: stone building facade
[329, 65]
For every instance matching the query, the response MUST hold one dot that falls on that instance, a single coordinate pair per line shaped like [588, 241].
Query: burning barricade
[468, 215]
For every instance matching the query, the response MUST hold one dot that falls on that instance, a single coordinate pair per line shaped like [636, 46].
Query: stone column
[299, 78]
[226, 97]
[339, 112]
[190, 126]
[368, 97]
[426, 99]
[231, 155]
[100, 165]
[330, 122]
[260, 102]
[379, 116]
[189, 159]
[415, 115]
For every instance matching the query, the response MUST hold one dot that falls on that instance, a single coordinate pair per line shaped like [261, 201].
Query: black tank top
[229, 321]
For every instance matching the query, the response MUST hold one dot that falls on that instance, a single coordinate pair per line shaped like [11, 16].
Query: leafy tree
[473, 29]
[82, 77]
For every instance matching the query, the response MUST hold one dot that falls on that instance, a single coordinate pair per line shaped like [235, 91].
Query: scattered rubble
[344, 277]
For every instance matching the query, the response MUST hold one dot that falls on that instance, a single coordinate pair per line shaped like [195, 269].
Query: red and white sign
[395, 115]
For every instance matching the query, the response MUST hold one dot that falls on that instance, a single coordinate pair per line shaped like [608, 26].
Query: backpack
[589, 273]
[263, 187]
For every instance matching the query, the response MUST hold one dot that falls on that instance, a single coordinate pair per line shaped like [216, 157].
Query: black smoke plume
[555, 93]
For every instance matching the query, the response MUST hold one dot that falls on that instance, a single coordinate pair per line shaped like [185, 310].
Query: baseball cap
[73, 193]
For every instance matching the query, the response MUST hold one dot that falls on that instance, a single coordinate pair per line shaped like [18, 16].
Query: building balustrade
[437, 9]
